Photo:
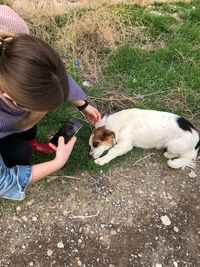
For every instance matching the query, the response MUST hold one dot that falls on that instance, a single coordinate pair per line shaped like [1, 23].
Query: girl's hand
[92, 114]
[63, 150]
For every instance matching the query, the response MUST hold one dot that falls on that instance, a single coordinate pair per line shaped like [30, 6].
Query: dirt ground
[145, 215]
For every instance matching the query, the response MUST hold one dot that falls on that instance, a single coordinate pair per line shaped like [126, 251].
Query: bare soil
[146, 215]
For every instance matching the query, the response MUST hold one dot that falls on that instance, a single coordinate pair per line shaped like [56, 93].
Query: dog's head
[101, 139]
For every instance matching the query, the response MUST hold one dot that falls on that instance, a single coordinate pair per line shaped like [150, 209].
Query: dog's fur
[129, 128]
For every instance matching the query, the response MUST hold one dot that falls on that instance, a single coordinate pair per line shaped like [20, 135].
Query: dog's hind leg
[183, 161]
[118, 150]
[169, 155]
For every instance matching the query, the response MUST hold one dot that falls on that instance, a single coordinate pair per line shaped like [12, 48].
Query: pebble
[86, 84]
[158, 265]
[165, 220]
[175, 264]
[29, 203]
[60, 244]
[34, 218]
[18, 209]
[192, 174]
[24, 218]
[79, 263]
[113, 232]
[49, 252]
[65, 212]
[175, 229]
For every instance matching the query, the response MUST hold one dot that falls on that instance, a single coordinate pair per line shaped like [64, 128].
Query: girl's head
[32, 73]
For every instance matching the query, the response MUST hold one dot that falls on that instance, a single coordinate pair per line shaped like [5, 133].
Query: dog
[122, 131]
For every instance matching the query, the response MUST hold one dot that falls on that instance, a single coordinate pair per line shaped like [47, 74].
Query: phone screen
[70, 128]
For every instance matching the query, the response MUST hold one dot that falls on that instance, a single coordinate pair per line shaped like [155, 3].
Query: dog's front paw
[100, 161]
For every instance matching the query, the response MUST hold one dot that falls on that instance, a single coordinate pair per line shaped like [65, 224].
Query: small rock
[30, 202]
[175, 229]
[192, 174]
[24, 218]
[79, 263]
[158, 265]
[165, 220]
[175, 264]
[113, 232]
[34, 218]
[49, 252]
[65, 212]
[60, 244]
[18, 209]
[87, 84]
[31, 263]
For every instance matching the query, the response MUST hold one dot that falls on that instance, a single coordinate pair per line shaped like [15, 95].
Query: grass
[150, 53]
[161, 66]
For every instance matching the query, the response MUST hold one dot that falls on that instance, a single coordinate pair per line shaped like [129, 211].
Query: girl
[33, 81]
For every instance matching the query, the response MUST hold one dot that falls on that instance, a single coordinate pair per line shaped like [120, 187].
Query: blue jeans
[14, 180]
[15, 169]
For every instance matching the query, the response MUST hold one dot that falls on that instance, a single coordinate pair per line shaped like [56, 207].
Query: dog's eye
[95, 144]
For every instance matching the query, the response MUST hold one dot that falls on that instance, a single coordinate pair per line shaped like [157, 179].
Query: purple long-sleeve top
[9, 115]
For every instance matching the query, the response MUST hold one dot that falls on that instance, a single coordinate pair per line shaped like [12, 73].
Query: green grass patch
[167, 77]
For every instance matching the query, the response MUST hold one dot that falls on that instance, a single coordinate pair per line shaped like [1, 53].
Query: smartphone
[69, 129]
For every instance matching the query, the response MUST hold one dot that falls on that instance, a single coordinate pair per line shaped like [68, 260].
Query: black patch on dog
[198, 145]
[185, 124]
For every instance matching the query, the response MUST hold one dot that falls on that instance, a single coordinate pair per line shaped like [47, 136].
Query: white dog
[129, 128]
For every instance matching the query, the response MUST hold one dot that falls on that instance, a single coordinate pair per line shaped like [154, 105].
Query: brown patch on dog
[103, 136]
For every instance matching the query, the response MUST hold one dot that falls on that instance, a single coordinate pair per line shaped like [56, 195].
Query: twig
[116, 99]
[137, 161]
[85, 217]
[62, 176]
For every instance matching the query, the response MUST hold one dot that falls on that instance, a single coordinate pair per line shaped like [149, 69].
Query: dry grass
[63, 5]
[89, 38]
[92, 37]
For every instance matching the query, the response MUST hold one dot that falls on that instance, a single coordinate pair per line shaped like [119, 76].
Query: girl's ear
[6, 95]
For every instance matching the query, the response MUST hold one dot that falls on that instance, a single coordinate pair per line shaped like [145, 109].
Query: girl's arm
[78, 98]
[14, 180]
[63, 152]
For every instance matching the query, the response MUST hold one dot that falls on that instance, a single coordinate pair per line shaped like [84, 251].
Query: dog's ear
[101, 123]
[108, 133]
[102, 134]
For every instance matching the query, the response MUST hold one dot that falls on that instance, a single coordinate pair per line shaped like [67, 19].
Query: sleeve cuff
[75, 92]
